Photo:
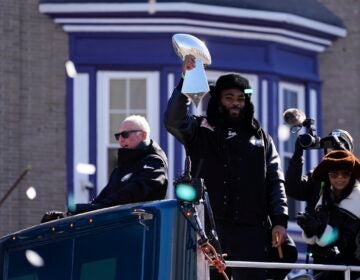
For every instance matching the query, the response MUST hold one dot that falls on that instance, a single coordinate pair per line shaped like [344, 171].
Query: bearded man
[241, 170]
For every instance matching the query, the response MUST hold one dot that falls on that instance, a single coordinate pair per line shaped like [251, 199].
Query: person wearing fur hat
[241, 170]
[303, 187]
[332, 229]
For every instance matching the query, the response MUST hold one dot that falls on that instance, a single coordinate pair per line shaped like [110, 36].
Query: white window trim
[314, 154]
[171, 144]
[264, 104]
[300, 89]
[102, 97]
[80, 137]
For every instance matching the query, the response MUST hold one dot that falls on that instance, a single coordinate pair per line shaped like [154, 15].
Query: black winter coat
[343, 225]
[141, 175]
[301, 187]
[241, 169]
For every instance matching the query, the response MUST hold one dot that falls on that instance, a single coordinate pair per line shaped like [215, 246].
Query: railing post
[347, 274]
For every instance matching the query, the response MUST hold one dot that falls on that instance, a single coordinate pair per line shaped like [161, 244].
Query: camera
[309, 140]
[297, 119]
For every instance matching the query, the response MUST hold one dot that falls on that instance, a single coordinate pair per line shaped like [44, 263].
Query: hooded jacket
[141, 175]
[342, 228]
[239, 164]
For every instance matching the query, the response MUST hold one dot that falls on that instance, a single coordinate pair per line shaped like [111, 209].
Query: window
[101, 269]
[120, 94]
[112, 253]
[290, 96]
[56, 257]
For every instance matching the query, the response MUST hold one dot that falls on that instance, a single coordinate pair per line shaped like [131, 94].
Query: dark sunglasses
[125, 134]
[336, 174]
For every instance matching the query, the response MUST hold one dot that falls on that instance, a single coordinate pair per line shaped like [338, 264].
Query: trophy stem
[195, 84]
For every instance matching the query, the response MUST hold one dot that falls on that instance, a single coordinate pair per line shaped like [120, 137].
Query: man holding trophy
[237, 160]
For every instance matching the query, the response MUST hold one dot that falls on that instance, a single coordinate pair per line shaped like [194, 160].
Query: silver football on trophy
[195, 82]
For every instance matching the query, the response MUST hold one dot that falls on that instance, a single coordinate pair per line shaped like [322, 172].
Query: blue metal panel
[145, 51]
[163, 245]
[116, 49]
[232, 54]
[295, 63]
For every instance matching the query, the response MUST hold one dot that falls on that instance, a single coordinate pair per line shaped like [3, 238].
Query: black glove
[311, 224]
[299, 150]
[322, 215]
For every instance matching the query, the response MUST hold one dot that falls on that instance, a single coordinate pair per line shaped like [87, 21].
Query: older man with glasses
[141, 172]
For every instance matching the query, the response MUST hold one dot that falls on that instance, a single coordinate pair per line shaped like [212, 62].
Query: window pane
[115, 120]
[57, 258]
[290, 101]
[109, 249]
[117, 94]
[103, 269]
[112, 159]
[137, 93]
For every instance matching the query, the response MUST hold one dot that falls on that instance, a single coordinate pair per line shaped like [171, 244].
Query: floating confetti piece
[34, 258]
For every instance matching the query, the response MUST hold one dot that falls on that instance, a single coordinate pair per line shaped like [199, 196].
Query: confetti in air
[31, 193]
[34, 258]
[86, 168]
[70, 69]
[152, 6]
[283, 132]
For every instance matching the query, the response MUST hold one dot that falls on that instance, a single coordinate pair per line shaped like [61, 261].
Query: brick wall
[33, 51]
[340, 72]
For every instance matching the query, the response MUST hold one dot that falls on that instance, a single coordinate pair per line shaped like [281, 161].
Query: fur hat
[232, 80]
[336, 160]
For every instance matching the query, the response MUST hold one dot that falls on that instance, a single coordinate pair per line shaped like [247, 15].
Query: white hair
[140, 122]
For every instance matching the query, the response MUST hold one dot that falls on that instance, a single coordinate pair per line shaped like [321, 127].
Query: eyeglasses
[125, 134]
[336, 174]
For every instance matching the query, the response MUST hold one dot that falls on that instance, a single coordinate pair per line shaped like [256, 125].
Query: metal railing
[272, 265]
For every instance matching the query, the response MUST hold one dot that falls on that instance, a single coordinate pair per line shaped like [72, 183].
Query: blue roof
[311, 9]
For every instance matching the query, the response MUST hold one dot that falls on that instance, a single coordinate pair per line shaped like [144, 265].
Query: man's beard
[231, 119]
[244, 118]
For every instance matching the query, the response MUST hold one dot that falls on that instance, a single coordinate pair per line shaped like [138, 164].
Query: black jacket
[343, 223]
[141, 175]
[241, 169]
[301, 187]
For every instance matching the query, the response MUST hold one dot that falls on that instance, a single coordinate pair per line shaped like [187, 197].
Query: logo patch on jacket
[231, 134]
[148, 167]
[126, 177]
[256, 142]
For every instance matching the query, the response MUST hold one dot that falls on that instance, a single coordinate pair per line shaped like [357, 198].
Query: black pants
[252, 243]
